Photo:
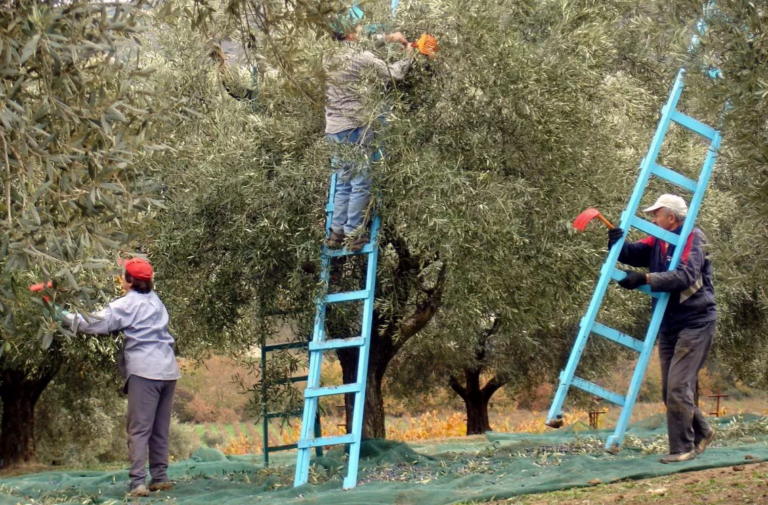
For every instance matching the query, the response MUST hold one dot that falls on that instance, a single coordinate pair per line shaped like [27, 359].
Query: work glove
[614, 235]
[633, 280]
[59, 314]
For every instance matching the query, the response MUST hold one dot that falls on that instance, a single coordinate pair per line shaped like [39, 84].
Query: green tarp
[502, 466]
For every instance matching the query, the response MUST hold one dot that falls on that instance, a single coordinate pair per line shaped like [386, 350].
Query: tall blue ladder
[320, 344]
[629, 218]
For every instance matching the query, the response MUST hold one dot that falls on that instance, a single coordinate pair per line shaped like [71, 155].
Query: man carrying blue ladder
[688, 326]
[348, 128]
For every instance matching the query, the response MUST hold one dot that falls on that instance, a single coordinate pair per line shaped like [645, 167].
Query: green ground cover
[502, 467]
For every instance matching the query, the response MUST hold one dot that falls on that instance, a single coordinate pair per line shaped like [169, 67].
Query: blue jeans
[353, 152]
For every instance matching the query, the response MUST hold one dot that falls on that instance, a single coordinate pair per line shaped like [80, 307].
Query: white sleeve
[393, 72]
[99, 323]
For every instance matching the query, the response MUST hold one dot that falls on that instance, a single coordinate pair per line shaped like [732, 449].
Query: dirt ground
[743, 484]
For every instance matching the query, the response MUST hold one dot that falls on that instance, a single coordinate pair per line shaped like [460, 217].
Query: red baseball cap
[139, 268]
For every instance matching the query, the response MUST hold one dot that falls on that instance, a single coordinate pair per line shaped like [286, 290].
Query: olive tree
[531, 113]
[76, 112]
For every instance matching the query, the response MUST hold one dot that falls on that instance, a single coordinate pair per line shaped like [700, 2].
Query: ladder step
[337, 343]
[598, 391]
[291, 380]
[286, 447]
[656, 231]
[618, 337]
[694, 125]
[335, 253]
[293, 413]
[348, 296]
[673, 177]
[332, 390]
[286, 345]
[317, 442]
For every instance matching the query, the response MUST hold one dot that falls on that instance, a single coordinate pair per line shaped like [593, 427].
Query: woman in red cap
[148, 366]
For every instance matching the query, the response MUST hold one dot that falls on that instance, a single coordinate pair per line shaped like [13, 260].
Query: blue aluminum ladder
[319, 344]
[609, 271]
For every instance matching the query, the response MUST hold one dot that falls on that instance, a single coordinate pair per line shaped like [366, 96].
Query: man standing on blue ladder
[688, 327]
[348, 125]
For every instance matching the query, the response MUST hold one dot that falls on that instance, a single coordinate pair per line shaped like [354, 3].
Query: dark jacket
[692, 299]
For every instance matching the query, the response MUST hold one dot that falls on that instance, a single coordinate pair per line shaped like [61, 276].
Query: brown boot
[702, 445]
[358, 243]
[161, 486]
[678, 458]
[139, 491]
[335, 240]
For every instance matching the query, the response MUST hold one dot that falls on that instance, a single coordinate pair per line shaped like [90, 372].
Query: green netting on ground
[453, 471]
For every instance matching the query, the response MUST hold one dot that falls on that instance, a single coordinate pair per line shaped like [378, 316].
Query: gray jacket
[142, 318]
[344, 107]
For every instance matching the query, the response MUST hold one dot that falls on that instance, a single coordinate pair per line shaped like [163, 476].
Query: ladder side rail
[366, 332]
[264, 407]
[637, 378]
[609, 265]
[614, 441]
[329, 205]
[309, 416]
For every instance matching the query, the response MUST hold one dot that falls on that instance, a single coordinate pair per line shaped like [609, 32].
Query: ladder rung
[598, 391]
[293, 413]
[332, 390]
[656, 231]
[348, 296]
[693, 125]
[618, 337]
[618, 275]
[286, 447]
[333, 253]
[287, 380]
[337, 343]
[317, 442]
[286, 345]
[674, 177]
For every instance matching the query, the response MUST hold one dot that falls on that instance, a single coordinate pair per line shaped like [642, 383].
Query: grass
[742, 484]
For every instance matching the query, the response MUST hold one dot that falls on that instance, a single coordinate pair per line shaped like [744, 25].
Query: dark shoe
[358, 243]
[702, 444]
[678, 458]
[161, 486]
[139, 491]
[335, 240]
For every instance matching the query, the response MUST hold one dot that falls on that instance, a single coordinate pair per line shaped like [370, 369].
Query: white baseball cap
[672, 202]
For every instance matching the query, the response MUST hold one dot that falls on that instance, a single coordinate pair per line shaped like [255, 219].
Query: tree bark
[476, 399]
[17, 428]
[392, 335]
[381, 353]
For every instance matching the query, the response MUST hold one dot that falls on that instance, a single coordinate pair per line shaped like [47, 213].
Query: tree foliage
[531, 113]
[77, 111]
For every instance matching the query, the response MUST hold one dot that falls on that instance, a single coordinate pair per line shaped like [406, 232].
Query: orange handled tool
[35, 288]
[426, 45]
[581, 221]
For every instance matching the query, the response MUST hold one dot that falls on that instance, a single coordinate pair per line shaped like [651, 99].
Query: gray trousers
[682, 354]
[149, 424]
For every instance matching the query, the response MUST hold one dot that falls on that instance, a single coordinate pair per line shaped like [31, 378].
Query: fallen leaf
[738, 468]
